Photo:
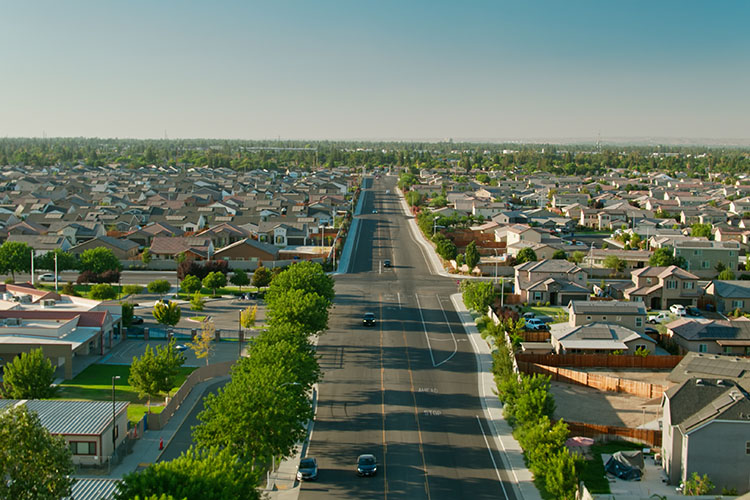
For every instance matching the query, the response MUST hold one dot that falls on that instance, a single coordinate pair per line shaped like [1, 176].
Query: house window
[672, 284]
[731, 253]
[696, 252]
[537, 295]
[702, 348]
[83, 447]
[639, 321]
[688, 285]
[738, 303]
[640, 347]
[604, 318]
[705, 264]
[727, 349]
[588, 318]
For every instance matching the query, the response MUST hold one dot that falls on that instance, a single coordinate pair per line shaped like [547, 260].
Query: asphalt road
[404, 390]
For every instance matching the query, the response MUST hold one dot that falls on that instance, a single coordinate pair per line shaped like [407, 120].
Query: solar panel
[596, 332]
[716, 367]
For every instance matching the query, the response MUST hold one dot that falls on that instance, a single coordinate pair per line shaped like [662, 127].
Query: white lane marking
[455, 344]
[494, 464]
[399, 299]
[424, 327]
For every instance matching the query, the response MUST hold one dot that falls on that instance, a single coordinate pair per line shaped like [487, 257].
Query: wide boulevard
[404, 390]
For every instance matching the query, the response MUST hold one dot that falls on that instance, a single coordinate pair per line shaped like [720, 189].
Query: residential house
[706, 430]
[598, 338]
[248, 249]
[554, 281]
[703, 257]
[711, 336]
[44, 243]
[633, 259]
[661, 287]
[122, 249]
[728, 296]
[560, 200]
[193, 247]
[628, 314]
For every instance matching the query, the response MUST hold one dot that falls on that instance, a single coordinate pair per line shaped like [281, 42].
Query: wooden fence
[602, 360]
[652, 437]
[156, 421]
[535, 336]
[596, 381]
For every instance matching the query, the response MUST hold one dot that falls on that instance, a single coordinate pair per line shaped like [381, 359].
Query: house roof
[696, 329]
[607, 307]
[558, 285]
[664, 272]
[596, 335]
[73, 417]
[697, 401]
[734, 289]
[162, 245]
[264, 247]
[549, 266]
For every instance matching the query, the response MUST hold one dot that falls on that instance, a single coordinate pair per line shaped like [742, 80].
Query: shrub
[103, 291]
[547, 303]
[69, 289]
[132, 289]
[9, 281]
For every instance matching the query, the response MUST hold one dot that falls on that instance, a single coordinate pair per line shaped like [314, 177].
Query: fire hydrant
[161, 443]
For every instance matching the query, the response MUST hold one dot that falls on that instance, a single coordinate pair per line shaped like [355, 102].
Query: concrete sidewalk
[146, 448]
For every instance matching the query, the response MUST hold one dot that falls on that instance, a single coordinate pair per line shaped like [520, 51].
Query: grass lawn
[558, 314]
[592, 472]
[95, 383]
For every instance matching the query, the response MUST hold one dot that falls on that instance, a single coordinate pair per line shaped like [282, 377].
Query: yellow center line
[416, 414]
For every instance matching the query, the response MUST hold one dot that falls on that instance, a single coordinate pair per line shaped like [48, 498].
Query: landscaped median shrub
[528, 407]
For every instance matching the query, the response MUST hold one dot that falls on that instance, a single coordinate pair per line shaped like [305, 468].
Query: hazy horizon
[541, 71]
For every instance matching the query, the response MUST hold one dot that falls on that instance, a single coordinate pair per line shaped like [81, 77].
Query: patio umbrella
[579, 442]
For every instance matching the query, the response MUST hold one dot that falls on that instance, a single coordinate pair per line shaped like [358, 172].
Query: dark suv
[386, 263]
[369, 319]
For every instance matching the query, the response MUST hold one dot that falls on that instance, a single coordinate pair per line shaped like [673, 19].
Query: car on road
[528, 315]
[307, 470]
[535, 324]
[374, 211]
[678, 310]
[137, 320]
[662, 317]
[368, 319]
[387, 191]
[181, 347]
[580, 244]
[693, 311]
[49, 277]
[386, 263]
[367, 465]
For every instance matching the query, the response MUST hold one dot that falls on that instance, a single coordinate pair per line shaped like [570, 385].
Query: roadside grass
[82, 290]
[226, 290]
[95, 384]
[558, 314]
[592, 473]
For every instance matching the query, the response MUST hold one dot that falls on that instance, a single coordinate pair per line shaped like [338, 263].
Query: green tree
[701, 230]
[196, 302]
[478, 295]
[261, 277]
[472, 255]
[614, 263]
[128, 312]
[159, 287]
[98, 260]
[239, 278]
[34, 464]
[306, 276]
[102, 291]
[726, 275]
[561, 475]
[698, 485]
[201, 345]
[146, 256]
[15, 257]
[577, 257]
[155, 373]
[559, 254]
[191, 284]
[526, 254]
[247, 317]
[195, 475]
[663, 257]
[65, 261]
[132, 289]
[214, 280]
[167, 314]
[308, 311]
[444, 247]
[29, 376]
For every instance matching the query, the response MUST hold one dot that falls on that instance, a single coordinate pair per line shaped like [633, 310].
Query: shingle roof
[708, 329]
[734, 289]
[607, 307]
[697, 401]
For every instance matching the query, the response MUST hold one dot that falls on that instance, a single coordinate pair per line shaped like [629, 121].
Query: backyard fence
[601, 382]
[156, 421]
[652, 437]
[602, 360]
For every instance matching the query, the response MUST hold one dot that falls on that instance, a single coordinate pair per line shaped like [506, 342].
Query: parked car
[374, 211]
[529, 315]
[369, 319]
[367, 465]
[307, 470]
[678, 310]
[693, 311]
[137, 320]
[662, 317]
[535, 324]
[386, 263]
[49, 277]
[181, 347]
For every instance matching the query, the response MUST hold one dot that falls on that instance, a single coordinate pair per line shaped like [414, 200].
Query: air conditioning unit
[48, 302]
[25, 299]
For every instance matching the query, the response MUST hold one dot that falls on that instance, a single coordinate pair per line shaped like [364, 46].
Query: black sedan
[367, 465]
[369, 319]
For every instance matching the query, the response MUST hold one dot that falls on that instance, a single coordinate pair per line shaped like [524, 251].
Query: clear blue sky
[352, 69]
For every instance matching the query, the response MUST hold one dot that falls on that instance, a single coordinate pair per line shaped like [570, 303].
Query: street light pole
[114, 415]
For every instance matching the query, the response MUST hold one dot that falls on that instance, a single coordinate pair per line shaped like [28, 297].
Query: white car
[49, 277]
[678, 310]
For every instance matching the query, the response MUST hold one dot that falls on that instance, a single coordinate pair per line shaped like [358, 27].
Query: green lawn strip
[95, 384]
[551, 311]
[592, 473]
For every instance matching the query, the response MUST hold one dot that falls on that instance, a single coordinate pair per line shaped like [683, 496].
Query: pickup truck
[535, 324]
[662, 317]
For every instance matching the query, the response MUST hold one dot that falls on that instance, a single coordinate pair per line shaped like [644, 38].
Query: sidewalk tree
[65, 261]
[478, 295]
[201, 345]
[195, 474]
[159, 287]
[526, 255]
[29, 376]
[306, 276]
[444, 247]
[146, 256]
[167, 314]
[247, 317]
[239, 278]
[309, 311]
[34, 464]
[102, 291]
[472, 255]
[191, 284]
[98, 260]
[261, 277]
[15, 257]
[128, 313]
[214, 280]
[196, 302]
[154, 373]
